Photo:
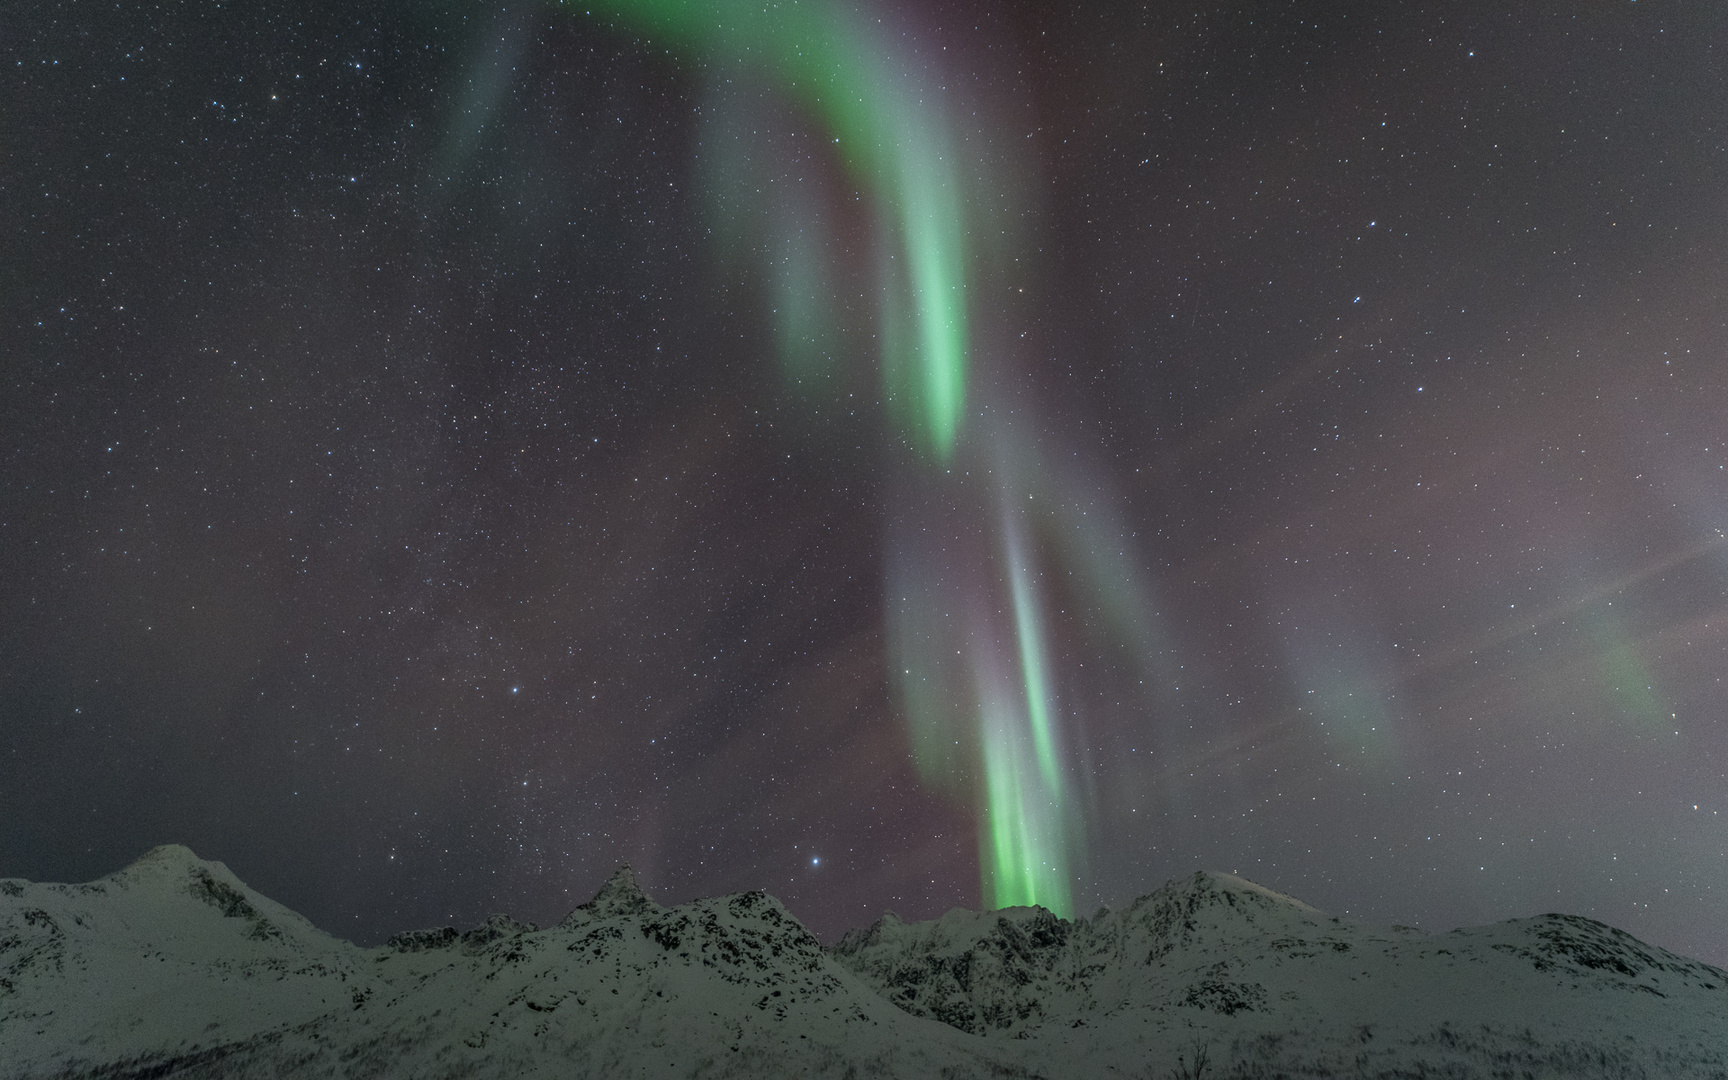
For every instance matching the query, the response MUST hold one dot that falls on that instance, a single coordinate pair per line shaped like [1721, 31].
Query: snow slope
[172, 967]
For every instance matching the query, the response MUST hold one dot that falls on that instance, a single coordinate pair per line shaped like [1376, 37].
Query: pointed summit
[172, 854]
[167, 862]
[1206, 883]
[621, 895]
[174, 867]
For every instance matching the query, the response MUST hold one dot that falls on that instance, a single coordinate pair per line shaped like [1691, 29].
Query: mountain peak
[168, 853]
[1211, 888]
[166, 857]
[621, 895]
[174, 867]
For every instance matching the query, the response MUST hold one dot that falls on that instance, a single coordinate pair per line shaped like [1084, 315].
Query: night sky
[415, 493]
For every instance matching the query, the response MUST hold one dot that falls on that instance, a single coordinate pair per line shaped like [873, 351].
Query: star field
[400, 500]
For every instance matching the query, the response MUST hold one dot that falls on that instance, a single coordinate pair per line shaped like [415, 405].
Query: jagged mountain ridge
[154, 972]
[174, 967]
[1015, 971]
[1217, 959]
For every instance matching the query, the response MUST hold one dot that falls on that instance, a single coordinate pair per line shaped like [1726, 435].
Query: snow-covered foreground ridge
[173, 967]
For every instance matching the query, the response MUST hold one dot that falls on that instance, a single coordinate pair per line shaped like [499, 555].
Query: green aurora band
[833, 64]
[981, 712]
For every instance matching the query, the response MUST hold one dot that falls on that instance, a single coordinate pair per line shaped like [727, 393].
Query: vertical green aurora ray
[1029, 815]
[1023, 844]
[1030, 636]
[979, 700]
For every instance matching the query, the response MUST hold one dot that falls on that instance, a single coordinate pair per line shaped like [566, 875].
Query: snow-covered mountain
[173, 967]
[1265, 985]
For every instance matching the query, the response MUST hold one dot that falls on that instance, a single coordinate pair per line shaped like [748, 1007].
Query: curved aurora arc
[968, 642]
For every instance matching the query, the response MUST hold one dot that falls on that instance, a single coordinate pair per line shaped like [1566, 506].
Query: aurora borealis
[898, 457]
[886, 112]
[886, 121]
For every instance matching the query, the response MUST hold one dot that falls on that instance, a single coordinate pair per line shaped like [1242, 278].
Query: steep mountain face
[173, 967]
[1015, 971]
[1267, 985]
